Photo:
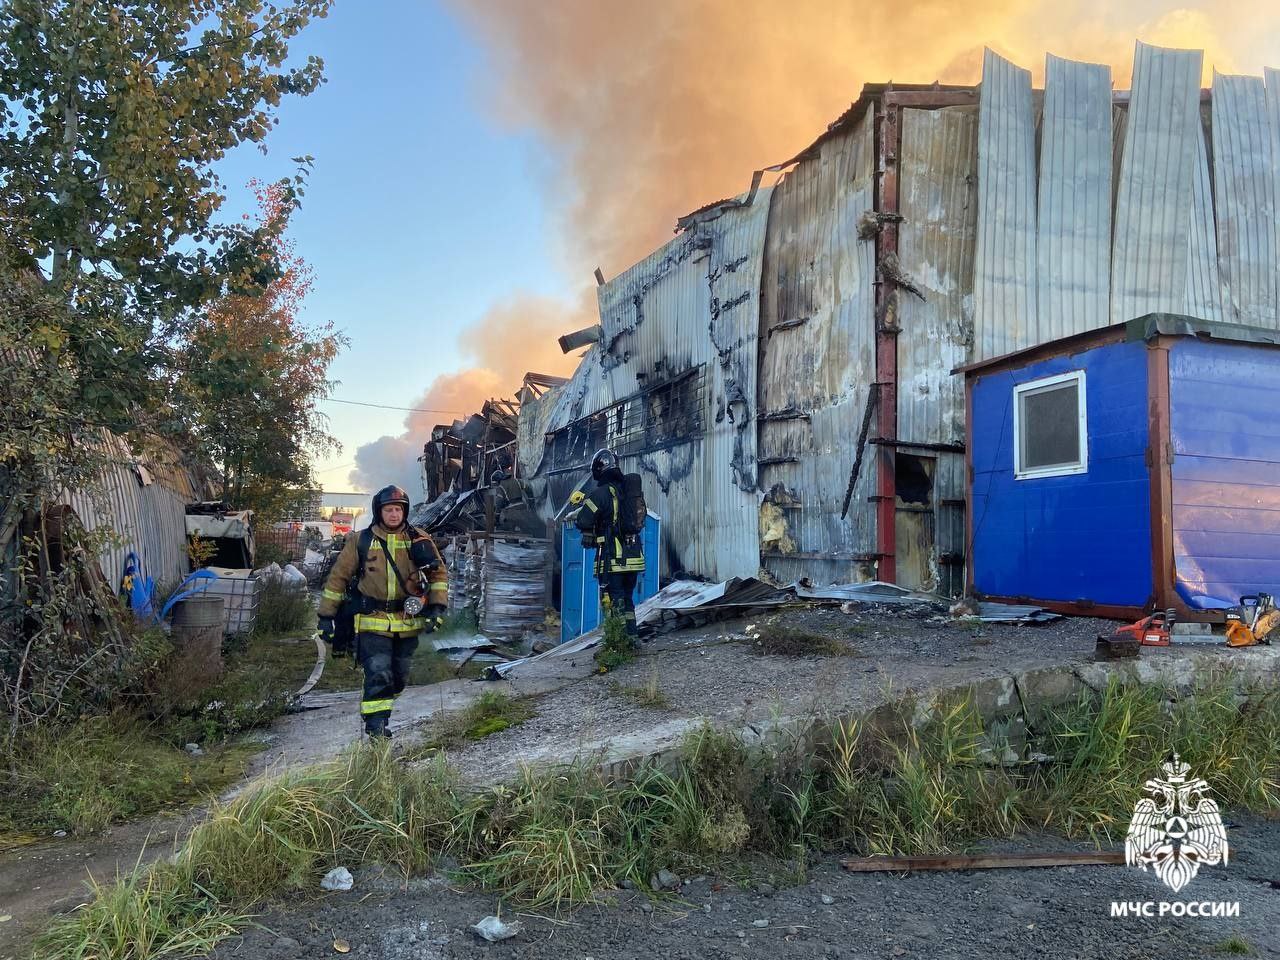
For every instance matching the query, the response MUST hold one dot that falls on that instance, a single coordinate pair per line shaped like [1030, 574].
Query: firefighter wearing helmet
[387, 586]
[619, 554]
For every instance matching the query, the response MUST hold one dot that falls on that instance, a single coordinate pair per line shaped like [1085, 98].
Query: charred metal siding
[939, 211]
[817, 360]
[691, 305]
[1244, 164]
[535, 418]
[938, 203]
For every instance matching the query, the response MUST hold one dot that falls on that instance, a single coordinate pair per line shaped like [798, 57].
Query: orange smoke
[512, 339]
[653, 109]
[657, 108]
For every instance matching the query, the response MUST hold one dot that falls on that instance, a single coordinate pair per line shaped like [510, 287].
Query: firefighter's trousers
[620, 589]
[386, 662]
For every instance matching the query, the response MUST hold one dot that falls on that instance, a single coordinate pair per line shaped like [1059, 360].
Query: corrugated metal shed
[1005, 260]
[817, 360]
[1073, 240]
[1244, 165]
[1151, 246]
[144, 502]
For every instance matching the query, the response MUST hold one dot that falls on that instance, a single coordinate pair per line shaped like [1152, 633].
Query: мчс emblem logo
[1176, 828]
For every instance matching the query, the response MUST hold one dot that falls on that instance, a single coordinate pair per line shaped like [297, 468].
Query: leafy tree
[251, 372]
[112, 117]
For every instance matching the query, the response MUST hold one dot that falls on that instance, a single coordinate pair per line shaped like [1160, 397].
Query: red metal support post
[888, 147]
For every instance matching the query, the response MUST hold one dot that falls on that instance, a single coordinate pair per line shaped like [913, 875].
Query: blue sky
[420, 213]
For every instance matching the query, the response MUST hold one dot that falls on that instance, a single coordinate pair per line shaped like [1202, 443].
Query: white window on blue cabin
[1050, 427]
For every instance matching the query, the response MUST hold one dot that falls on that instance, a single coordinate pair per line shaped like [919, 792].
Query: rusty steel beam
[930, 99]
[888, 132]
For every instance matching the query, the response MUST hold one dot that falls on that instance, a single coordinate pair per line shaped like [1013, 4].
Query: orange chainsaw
[1152, 631]
[1253, 621]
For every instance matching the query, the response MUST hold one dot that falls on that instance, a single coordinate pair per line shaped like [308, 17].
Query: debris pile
[513, 597]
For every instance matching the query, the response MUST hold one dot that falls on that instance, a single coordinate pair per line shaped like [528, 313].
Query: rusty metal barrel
[198, 624]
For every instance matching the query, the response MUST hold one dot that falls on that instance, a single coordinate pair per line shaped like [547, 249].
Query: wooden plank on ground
[995, 861]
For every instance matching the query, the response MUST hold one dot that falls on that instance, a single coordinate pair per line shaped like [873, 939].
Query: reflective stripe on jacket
[381, 584]
[599, 517]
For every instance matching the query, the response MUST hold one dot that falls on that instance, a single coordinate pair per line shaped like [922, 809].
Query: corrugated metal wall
[1168, 235]
[1244, 166]
[694, 303]
[1204, 288]
[938, 203]
[1005, 305]
[817, 359]
[1151, 246]
[1073, 233]
[145, 508]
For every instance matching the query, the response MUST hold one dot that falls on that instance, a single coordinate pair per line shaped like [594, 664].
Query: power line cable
[383, 406]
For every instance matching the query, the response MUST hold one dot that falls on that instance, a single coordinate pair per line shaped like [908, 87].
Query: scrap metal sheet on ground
[680, 598]
[1014, 613]
[872, 591]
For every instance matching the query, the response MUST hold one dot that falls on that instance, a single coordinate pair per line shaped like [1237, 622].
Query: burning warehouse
[783, 372]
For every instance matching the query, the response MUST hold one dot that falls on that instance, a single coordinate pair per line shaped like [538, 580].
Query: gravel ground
[715, 672]
[1056, 912]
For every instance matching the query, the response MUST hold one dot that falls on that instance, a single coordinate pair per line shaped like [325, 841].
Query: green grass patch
[488, 714]
[90, 774]
[772, 639]
[1235, 945]
[556, 837]
[648, 695]
[283, 610]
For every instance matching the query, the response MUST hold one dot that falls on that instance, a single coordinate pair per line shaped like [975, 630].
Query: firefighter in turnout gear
[378, 570]
[619, 556]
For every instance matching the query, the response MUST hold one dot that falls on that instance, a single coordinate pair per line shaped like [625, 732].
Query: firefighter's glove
[433, 618]
[422, 554]
[326, 628]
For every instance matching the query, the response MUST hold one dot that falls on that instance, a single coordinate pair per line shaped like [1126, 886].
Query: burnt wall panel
[817, 361]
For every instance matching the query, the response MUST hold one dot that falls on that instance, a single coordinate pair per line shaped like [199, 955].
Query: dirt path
[976, 915]
[46, 878]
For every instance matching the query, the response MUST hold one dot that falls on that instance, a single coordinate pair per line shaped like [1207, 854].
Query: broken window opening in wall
[913, 479]
[659, 416]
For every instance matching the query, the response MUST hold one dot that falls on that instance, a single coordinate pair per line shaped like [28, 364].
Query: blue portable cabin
[1130, 468]
[580, 609]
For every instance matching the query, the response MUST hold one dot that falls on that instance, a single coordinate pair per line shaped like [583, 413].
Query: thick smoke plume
[653, 109]
[514, 338]
[657, 108]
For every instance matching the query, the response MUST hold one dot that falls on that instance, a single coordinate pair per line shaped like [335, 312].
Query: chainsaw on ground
[1152, 631]
[1253, 621]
